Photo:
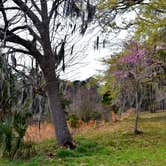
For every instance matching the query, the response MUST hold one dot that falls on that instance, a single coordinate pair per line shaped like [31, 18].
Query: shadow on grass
[85, 147]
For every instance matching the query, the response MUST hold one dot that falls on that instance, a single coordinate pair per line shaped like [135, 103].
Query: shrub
[87, 112]
[73, 121]
[12, 130]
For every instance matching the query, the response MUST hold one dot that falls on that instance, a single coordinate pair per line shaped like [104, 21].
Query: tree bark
[136, 121]
[137, 110]
[63, 135]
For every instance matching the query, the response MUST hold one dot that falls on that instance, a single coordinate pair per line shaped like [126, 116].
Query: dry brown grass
[126, 114]
[46, 131]
[35, 134]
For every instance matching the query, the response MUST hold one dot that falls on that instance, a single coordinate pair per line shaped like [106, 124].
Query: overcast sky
[92, 64]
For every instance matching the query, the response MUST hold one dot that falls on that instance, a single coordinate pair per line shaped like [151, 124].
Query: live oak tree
[31, 28]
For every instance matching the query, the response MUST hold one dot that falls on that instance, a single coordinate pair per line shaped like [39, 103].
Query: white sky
[92, 63]
[90, 66]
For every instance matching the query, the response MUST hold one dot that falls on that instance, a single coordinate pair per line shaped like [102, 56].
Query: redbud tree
[132, 72]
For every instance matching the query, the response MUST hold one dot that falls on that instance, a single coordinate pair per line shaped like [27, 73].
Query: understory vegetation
[113, 144]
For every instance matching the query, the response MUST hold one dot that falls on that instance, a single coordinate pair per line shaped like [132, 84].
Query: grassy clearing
[107, 146]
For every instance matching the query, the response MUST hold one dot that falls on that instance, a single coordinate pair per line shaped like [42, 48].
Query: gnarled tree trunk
[63, 135]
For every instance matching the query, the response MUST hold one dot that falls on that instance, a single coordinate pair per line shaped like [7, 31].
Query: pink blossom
[120, 74]
[136, 55]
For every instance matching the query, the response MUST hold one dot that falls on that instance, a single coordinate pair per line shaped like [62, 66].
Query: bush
[73, 121]
[87, 112]
[12, 131]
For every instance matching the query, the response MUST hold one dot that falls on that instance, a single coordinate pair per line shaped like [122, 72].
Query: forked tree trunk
[63, 135]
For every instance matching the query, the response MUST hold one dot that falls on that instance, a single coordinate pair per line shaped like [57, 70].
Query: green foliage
[6, 137]
[65, 153]
[12, 130]
[106, 100]
[135, 77]
[65, 102]
[91, 82]
[151, 31]
[151, 22]
[13, 113]
[73, 121]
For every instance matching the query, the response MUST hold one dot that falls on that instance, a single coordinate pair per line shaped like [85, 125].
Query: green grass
[107, 147]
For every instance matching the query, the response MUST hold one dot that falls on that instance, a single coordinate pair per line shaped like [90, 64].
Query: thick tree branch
[29, 13]
[36, 7]
[9, 8]
[29, 29]
[11, 37]
[14, 50]
[44, 13]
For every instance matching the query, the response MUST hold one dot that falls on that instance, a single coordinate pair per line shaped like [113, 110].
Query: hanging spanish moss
[97, 43]
[81, 9]
[71, 9]
[72, 48]
[13, 59]
[16, 91]
[61, 54]
[91, 11]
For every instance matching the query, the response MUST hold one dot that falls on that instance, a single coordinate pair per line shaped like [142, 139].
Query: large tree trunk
[63, 135]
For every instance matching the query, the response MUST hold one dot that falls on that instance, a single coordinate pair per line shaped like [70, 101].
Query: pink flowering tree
[136, 78]
[132, 72]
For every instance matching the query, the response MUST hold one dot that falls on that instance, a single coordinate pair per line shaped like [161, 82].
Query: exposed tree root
[69, 145]
[137, 132]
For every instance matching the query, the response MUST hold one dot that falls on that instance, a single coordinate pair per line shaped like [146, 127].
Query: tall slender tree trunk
[63, 135]
[137, 111]
[136, 114]
[136, 121]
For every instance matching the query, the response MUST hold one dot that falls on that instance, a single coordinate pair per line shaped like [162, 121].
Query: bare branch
[30, 30]
[11, 37]
[20, 72]
[54, 7]
[29, 13]
[44, 13]
[9, 8]
[36, 7]
[4, 14]
[14, 50]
